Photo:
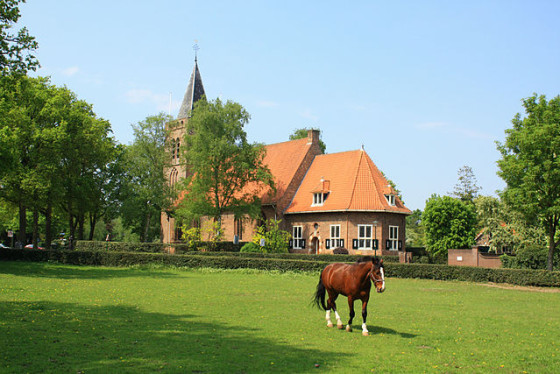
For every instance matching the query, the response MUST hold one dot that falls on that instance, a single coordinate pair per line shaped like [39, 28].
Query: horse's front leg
[352, 314]
[365, 331]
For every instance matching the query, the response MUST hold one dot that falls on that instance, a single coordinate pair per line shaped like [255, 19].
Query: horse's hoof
[330, 324]
[365, 333]
[340, 327]
[349, 328]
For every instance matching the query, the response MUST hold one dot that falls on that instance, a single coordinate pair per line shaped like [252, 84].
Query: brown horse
[352, 281]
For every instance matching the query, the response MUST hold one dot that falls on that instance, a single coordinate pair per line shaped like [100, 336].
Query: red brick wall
[348, 228]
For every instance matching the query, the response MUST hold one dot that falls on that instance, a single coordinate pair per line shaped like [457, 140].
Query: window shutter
[387, 244]
[303, 243]
[291, 244]
[354, 243]
[400, 244]
[327, 244]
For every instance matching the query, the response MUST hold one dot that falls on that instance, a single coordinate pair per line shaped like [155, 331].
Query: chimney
[312, 136]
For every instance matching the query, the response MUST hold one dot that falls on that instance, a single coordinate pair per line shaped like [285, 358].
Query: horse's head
[377, 275]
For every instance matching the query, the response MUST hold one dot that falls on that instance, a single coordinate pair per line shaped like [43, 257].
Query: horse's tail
[319, 299]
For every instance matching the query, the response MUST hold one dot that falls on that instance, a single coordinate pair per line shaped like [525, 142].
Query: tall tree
[15, 49]
[449, 224]
[25, 170]
[148, 192]
[466, 188]
[228, 172]
[302, 134]
[530, 166]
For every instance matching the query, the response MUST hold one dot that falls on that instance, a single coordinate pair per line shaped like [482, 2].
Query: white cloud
[70, 71]
[144, 96]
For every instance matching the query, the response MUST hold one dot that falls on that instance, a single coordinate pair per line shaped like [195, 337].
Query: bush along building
[326, 201]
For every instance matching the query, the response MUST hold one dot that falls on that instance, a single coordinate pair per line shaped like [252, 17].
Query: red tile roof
[283, 160]
[355, 184]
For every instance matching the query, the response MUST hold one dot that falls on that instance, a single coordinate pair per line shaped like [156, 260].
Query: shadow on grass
[47, 270]
[376, 330]
[64, 337]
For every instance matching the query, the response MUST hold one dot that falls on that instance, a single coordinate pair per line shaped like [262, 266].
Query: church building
[326, 201]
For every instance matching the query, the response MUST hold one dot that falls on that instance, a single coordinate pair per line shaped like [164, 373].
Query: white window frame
[365, 241]
[391, 199]
[318, 199]
[297, 236]
[394, 237]
[335, 236]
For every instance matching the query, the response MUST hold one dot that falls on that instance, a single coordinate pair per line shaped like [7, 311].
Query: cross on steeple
[195, 49]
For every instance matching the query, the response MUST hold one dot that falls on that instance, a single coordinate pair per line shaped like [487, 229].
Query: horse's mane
[373, 259]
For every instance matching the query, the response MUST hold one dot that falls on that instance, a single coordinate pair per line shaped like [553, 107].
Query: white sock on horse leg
[364, 327]
[328, 317]
[338, 320]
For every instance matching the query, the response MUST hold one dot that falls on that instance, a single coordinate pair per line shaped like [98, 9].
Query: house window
[335, 240]
[238, 228]
[390, 199]
[393, 238]
[318, 199]
[297, 236]
[364, 236]
[178, 148]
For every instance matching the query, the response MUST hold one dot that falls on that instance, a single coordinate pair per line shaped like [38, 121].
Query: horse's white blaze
[383, 279]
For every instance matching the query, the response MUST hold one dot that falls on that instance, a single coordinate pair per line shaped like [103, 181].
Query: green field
[67, 319]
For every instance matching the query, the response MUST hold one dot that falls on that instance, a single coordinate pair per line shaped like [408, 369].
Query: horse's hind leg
[332, 305]
[352, 314]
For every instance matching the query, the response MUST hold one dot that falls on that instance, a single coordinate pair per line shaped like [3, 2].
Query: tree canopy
[449, 224]
[227, 173]
[530, 166]
[466, 188]
[15, 49]
[302, 134]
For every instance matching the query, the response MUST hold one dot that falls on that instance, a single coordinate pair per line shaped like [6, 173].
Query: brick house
[325, 200]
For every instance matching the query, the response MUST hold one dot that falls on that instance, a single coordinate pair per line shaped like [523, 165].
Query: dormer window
[318, 198]
[390, 199]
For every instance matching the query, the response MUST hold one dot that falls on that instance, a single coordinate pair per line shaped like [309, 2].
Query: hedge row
[83, 245]
[223, 249]
[540, 278]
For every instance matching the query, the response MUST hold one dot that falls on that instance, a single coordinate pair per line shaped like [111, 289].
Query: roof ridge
[355, 181]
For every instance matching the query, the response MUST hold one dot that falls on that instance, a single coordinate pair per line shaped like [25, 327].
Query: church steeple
[195, 91]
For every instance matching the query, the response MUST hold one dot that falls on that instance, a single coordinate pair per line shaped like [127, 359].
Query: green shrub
[251, 248]
[275, 240]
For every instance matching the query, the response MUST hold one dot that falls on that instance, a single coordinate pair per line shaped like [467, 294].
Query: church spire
[195, 90]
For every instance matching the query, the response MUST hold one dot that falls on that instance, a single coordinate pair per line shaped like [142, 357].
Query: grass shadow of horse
[377, 330]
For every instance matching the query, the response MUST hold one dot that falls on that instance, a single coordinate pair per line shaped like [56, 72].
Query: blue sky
[426, 87]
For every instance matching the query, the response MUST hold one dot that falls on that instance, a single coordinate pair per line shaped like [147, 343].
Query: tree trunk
[92, 224]
[147, 226]
[35, 228]
[48, 226]
[71, 227]
[81, 220]
[22, 237]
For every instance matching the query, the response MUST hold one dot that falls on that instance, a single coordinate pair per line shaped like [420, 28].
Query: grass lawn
[67, 319]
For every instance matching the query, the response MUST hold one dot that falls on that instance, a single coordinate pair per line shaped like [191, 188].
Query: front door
[314, 248]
